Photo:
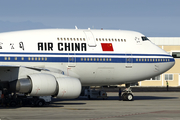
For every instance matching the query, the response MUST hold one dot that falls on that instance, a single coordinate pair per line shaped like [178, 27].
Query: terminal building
[172, 46]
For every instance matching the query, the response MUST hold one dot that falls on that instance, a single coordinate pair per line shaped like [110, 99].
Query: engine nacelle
[38, 85]
[69, 88]
[43, 84]
[47, 85]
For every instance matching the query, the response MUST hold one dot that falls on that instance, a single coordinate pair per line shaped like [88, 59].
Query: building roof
[165, 40]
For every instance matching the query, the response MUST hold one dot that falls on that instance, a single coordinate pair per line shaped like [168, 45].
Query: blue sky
[154, 18]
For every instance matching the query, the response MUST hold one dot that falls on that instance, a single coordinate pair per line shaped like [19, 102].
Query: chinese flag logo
[107, 47]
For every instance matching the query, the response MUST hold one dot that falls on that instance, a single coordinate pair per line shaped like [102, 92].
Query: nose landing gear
[127, 94]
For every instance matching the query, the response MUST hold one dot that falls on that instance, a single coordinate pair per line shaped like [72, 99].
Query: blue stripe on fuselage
[113, 54]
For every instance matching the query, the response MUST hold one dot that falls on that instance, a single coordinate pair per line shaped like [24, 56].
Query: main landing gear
[127, 94]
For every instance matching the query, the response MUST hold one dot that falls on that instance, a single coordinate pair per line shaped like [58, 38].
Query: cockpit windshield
[144, 38]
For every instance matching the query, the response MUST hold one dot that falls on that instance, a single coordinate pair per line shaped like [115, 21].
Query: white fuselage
[95, 57]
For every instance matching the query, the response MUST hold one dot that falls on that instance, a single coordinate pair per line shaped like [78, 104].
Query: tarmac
[146, 106]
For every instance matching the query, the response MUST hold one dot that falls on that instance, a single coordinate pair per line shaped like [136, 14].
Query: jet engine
[46, 85]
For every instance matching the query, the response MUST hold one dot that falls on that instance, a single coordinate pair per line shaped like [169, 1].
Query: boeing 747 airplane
[58, 62]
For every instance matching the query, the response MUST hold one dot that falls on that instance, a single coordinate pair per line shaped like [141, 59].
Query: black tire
[12, 103]
[124, 98]
[40, 103]
[89, 97]
[129, 97]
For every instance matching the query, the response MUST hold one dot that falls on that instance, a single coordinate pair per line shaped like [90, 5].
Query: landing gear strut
[127, 94]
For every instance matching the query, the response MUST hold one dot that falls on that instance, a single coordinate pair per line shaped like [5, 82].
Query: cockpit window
[144, 38]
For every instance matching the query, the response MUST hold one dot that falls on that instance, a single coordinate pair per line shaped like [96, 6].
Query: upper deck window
[144, 38]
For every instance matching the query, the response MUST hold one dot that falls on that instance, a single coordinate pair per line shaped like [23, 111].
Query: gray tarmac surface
[146, 106]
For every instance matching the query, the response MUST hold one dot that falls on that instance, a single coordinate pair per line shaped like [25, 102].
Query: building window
[176, 54]
[155, 78]
[168, 76]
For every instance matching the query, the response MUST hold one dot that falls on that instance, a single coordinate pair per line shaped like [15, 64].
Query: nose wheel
[127, 94]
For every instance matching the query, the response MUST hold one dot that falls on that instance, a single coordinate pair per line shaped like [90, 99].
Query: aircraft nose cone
[172, 61]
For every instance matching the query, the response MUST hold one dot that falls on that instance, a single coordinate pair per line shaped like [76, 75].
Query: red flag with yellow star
[107, 47]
